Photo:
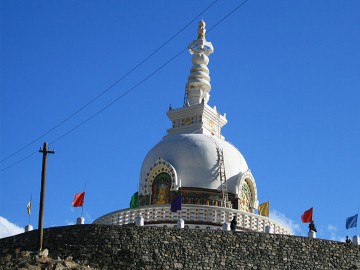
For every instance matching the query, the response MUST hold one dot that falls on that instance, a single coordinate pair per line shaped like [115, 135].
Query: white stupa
[196, 161]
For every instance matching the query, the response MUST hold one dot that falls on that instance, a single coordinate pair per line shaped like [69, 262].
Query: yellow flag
[264, 209]
[28, 207]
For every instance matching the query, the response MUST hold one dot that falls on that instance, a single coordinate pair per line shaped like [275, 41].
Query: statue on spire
[201, 30]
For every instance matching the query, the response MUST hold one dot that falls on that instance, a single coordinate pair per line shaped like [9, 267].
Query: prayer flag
[307, 216]
[79, 199]
[176, 204]
[351, 222]
[264, 209]
[134, 202]
[28, 207]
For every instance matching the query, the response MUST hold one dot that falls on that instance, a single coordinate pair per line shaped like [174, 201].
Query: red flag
[79, 199]
[307, 216]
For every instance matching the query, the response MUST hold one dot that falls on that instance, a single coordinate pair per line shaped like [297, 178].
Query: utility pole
[45, 152]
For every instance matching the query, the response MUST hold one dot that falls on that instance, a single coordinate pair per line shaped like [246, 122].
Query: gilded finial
[201, 30]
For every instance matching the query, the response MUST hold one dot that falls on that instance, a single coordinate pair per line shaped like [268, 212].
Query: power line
[228, 15]
[132, 88]
[109, 87]
[121, 96]
[17, 162]
[146, 78]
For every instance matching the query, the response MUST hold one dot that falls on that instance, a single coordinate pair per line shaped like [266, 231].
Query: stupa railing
[193, 214]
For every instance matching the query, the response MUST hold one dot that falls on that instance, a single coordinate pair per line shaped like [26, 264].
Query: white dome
[195, 159]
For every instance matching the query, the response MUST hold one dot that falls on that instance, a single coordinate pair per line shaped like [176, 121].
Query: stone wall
[128, 247]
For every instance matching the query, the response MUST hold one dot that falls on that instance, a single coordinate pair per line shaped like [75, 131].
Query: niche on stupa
[160, 185]
[161, 189]
[247, 193]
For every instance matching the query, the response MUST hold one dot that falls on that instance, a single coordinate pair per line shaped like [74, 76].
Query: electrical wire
[17, 162]
[109, 87]
[118, 98]
[228, 15]
[129, 90]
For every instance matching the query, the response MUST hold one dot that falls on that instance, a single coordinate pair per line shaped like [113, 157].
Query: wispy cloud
[8, 229]
[289, 223]
[68, 222]
[329, 232]
[332, 232]
[88, 217]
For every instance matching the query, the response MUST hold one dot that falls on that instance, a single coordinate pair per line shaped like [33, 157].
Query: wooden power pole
[45, 152]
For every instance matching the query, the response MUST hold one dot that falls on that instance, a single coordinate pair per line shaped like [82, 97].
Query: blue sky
[285, 72]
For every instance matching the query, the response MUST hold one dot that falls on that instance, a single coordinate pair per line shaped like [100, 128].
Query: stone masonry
[130, 247]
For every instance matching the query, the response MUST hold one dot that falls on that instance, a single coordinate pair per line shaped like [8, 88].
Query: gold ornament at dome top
[200, 45]
[201, 30]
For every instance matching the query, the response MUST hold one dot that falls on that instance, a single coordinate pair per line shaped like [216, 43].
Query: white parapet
[28, 228]
[180, 224]
[312, 234]
[226, 227]
[80, 220]
[202, 216]
[139, 221]
[356, 240]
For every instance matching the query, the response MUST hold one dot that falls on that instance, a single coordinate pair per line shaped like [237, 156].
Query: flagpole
[181, 194]
[82, 207]
[180, 202]
[269, 211]
[357, 221]
[30, 207]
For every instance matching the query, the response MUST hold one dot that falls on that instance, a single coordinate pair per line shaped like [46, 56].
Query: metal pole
[42, 192]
